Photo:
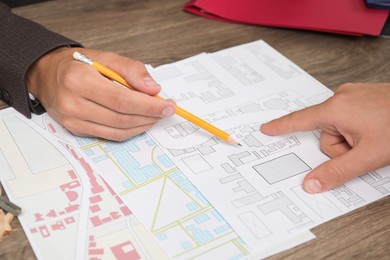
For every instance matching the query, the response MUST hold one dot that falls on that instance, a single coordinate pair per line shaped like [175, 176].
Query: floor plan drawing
[260, 182]
[176, 191]
[190, 225]
[180, 222]
[63, 199]
[379, 180]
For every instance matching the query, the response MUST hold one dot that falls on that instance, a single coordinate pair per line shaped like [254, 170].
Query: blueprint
[167, 204]
[256, 187]
[177, 192]
[177, 221]
[68, 211]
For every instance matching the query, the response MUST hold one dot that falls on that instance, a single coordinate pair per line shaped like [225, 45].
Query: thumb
[337, 171]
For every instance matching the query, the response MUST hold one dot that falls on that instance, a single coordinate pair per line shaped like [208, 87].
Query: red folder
[350, 17]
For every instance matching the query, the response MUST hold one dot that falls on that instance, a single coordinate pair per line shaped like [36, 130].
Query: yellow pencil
[179, 111]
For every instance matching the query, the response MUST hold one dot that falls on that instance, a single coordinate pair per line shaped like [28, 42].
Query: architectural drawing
[172, 209]
[379, 180]
[261, 181]
[63, 199]
[111, 231]
[177, 191]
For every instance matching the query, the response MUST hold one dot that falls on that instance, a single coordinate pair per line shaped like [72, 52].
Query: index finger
[302, 120]
[133, 72]
[88, 83]
[129, 101]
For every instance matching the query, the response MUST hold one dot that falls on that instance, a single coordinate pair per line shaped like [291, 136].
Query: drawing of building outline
[199, 205]
[194, 195]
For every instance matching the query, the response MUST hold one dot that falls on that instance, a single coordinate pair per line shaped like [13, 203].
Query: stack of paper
[350, 17]
[176, 191]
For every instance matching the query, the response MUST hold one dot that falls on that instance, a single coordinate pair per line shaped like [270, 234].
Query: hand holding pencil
[88, 104]
[179, 111]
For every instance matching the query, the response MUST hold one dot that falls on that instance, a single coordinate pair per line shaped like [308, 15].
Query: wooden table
[159, 32]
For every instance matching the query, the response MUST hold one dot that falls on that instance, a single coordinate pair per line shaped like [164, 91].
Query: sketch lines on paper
[182, 219]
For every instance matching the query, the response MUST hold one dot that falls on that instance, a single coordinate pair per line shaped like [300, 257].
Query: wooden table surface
[159, 32]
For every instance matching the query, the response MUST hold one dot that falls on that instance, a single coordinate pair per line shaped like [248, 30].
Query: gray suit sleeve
[22, 42]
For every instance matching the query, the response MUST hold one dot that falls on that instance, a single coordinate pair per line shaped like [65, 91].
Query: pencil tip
[233, 141]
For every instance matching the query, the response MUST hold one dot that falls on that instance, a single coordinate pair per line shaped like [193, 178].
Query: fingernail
[312, 186]
[168, 111]
[171, 101]
[149, 82]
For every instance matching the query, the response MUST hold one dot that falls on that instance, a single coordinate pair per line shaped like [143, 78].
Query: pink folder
[350, 17]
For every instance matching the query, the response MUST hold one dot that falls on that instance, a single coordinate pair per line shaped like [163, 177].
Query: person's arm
[77, 96]
[74, 93]
[22, 42]
[355, 133]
